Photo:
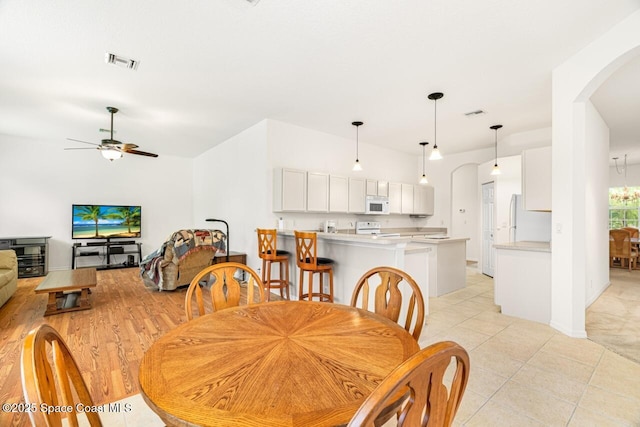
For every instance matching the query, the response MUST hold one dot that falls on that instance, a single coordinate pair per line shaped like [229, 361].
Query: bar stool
[307, 260]
[269, 254]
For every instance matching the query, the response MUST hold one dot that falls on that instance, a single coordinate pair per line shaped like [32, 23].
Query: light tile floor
[528, 374]
[613, 320]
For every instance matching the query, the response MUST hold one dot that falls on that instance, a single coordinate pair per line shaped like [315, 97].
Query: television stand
[108, 252]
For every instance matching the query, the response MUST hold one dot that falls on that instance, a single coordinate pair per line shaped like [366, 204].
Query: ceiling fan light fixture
[357, 167]
[111, 154]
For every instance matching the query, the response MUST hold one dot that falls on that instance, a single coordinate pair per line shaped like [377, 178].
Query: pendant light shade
[496, 169]
[435, 152]
[356, 166]
[423, 178]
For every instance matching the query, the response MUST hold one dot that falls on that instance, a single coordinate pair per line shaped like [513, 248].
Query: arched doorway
[573, 179]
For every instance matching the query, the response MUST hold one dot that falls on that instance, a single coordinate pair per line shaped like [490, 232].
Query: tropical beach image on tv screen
[105, 221]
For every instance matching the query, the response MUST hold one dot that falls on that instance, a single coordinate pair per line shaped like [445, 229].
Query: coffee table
[68, 290]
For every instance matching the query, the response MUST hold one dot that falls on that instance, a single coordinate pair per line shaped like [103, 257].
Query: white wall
[232, 182]
[573, 83]
[617, 180]
[465, 207]
[40, 181]
[597, 206]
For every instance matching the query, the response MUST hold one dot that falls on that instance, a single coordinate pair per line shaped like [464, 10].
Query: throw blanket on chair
[183, 243]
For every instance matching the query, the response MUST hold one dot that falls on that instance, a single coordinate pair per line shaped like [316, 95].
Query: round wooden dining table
[285, 363]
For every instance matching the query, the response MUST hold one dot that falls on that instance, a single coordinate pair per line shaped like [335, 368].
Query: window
[624, 206]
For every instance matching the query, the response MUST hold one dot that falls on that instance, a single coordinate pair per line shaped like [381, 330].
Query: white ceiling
[209, 69]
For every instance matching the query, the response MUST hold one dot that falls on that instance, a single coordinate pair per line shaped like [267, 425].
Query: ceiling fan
[112, 149]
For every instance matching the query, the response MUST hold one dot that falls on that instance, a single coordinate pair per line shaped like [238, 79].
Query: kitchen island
[447, 263]
[438, 265]
[523, 280]
[355, 254]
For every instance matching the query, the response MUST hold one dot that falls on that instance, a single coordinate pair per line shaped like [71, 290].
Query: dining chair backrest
[619, 243]
[54, 383]
[422, 378]
[306, 250]
[225, 288]
[387, 285]
[634, 231]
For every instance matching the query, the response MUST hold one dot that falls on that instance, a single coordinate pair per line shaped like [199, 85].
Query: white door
[488, 252]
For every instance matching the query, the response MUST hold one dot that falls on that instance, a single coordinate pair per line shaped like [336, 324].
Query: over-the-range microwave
[376, 205]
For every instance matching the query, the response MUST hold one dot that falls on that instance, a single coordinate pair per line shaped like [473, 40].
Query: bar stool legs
[321, 294]
[282, 282]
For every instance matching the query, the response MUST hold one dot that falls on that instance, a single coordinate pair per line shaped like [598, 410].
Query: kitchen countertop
[414, 237]
[525, 246]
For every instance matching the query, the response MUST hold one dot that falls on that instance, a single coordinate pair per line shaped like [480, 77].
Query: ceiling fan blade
[69, 148]
[142, 153]
[127, 146]
[84, 142]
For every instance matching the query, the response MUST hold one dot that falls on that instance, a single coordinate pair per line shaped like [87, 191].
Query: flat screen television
[105, 221]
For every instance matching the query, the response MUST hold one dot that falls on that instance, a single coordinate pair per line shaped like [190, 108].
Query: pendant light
[356, 166]
[496, 169]
[435, 153]
[423, 178]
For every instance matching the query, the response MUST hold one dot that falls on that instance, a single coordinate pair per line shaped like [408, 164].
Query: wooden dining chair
[620, 248]
[51, 378]
[422, 378]
[387, 285]
[225, 289]
[634, 231]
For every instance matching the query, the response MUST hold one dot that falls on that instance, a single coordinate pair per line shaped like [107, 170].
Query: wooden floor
[108, 341]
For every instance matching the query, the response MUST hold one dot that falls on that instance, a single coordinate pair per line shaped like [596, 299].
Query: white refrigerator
[526, 225]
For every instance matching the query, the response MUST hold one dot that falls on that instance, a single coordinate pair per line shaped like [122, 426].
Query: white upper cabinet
[383, 188]
[372, 187]
[407, 198]
[357, 188]
[423, 200]
[395, 197]
[317, 192]
[338, 194]
[289, 190]
[536, 179]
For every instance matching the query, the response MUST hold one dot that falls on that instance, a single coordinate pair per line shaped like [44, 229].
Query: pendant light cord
[435, 124]
[357, 142]
[496, 145]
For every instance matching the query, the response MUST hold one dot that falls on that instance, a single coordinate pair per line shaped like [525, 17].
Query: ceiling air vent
[474, 113]
[121, 61]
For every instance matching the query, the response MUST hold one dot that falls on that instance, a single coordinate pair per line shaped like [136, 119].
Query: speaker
[130, 260]
[116, 250]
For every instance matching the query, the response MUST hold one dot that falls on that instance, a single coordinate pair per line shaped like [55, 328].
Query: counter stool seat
[269, 253]
[307, 260]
